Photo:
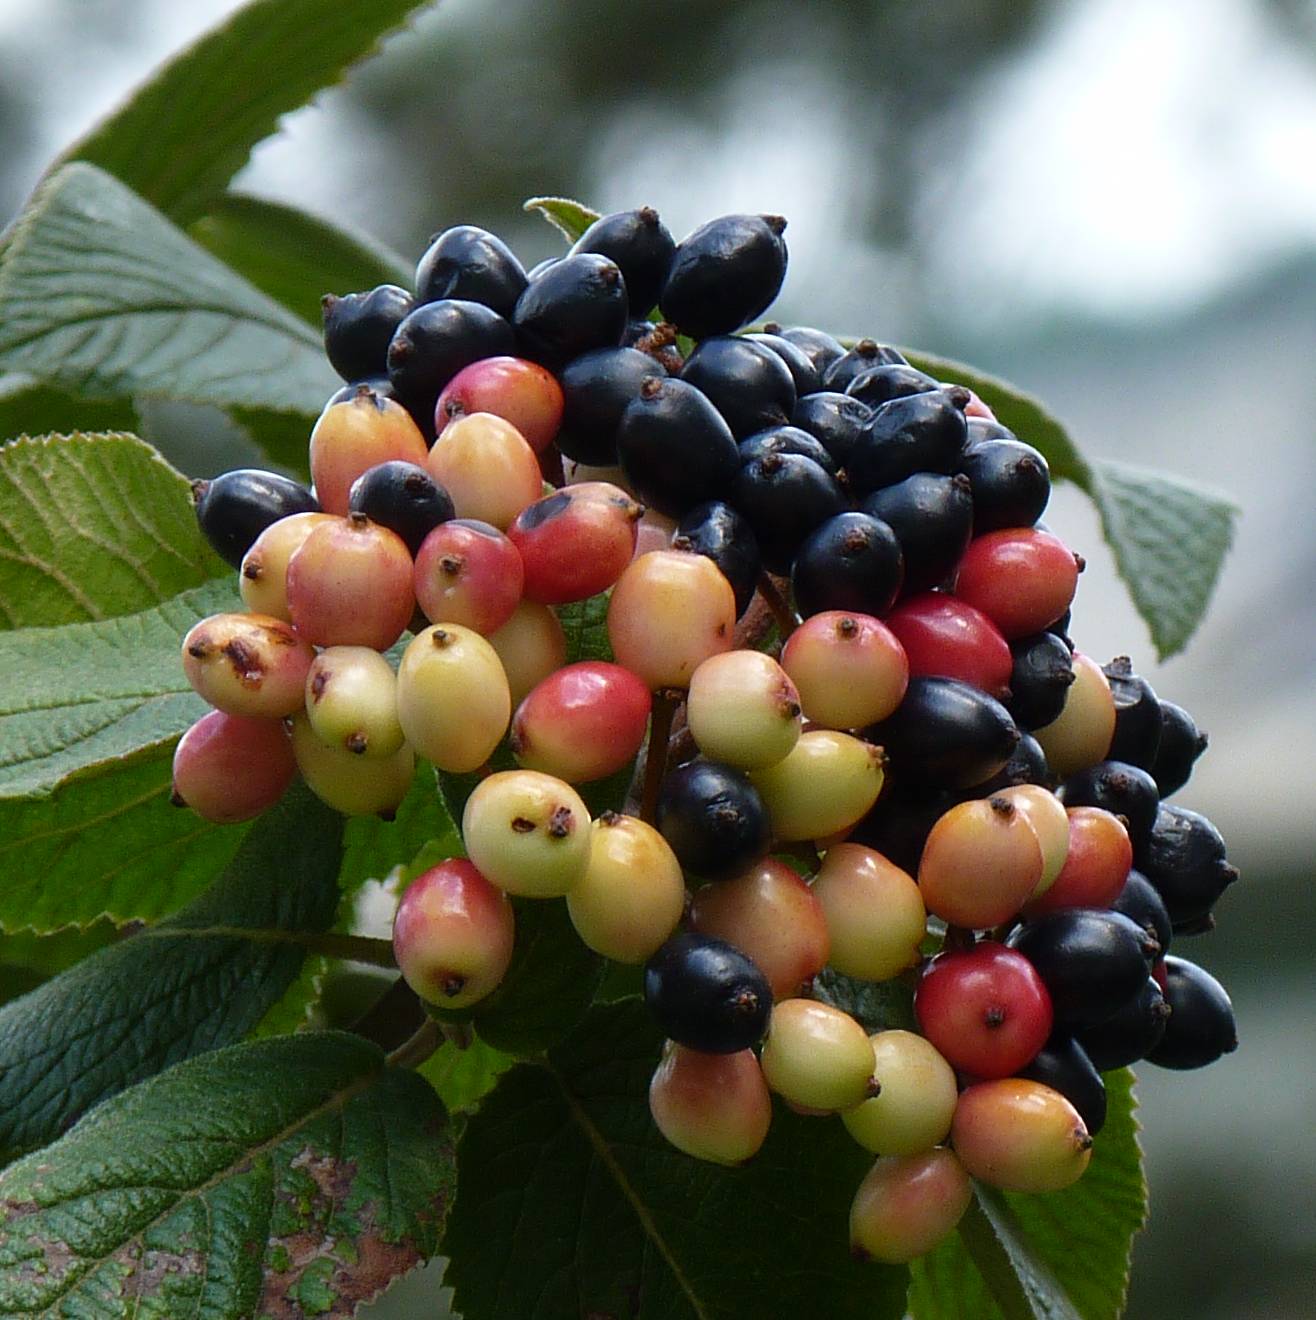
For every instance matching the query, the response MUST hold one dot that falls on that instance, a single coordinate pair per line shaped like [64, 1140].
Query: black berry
[640, 244]
[470, 263]
[707, 995]
[577, 304]
[358, 327]
[713, 818]
[235, 508]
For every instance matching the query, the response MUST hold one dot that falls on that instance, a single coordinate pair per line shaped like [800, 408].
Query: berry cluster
[841, 664]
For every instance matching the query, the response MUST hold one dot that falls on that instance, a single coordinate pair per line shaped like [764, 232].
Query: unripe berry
[1021, 578]
[913, 1110]
[1080, 736]
[1020, 1135]
[247, 664]
[980, 863]
[712, 1106]
[453, 701]
[468, 572]
[358, 434]
[229, 768]
[1096, 867]
[487, 467]
[354, 785]
[453, 935]
[849, 669]
[743, 709]
[984, 1008]
[352, 701]
[632, 893]
[769, 913]
[817, 1057]
[234, 508]
[824, 786]
[906, 1205]
[582, 723]
[518, 391]
[531, 646]
[350, 584]
[528, 832]
[1048, 817]
[874, 911]
[263, 578]
[669, 612]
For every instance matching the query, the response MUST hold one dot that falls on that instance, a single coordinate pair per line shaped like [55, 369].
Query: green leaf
[193, 983]
[462, 1077]
[569, 218]
[27, 407]
[94, 526]
[1170, 539]
[585, 624]
[75, 697]
[569, 1202]
[877, 1005]
[1067, 1252]
[1169, 535]
[107, 844]
[295, 1176]
[104, 296]
[189, 129]
[293, 256]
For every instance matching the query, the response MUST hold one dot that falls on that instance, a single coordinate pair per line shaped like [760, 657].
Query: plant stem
[776, 602]
[416, 1049]
[655, 758]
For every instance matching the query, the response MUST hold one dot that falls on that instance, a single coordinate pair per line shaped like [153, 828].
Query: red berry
[849, 669]
[946, 637]
[1021, 578]
[520, 392]
[356, 435]
[468, 572]
[229, 767]
[1097, 864]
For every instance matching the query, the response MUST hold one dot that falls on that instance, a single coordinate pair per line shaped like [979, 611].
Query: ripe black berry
[835, 420]
[892, 380]
[640, 244]
[1123, 790]
[713, 818]
[1201, 1025]
[1184, 857]
[851, 562]
[932, 517]
[784, 497]
[1027, 765]
[470, 263]
[236, 507]
[1064, 1065]
[1131, 1032]
[1140, 902]
[1011, 484]
[717, 531]
[402, 497]
[1137, 714]
[436, 341]
[707, 995]
[1181, 743]
[899, 824]
[865, 354]
[988, 428]
[577, 304]
[358, 326]
[785, 440]
[806, 376]
[748, 384]
[724, 274]
[596, 389]
[817, 345]
[917, 433]
[1040, 680]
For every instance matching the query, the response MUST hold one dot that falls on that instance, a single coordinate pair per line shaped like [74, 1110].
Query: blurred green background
[1109, 202]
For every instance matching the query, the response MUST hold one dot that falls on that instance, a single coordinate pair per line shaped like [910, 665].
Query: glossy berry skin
[1139, 901]
[984, 1008]
[518, 391]
[229, 768]
[849, 669]
[531, 645]
[743, 710]
[707, 995]
[835, 420]
[932, 517]
[1020, 1135]
[1180, 744]
[981, 861]
[358, 327]
[724, 274]
[1046, 814]
[577, 304]
[877, 385]
[351, 701]
[785, 440]
[825, 785]
[1201, 1025]
[1091, 961]
[470, 263]
[1080, 735]
[818, 346]
[1184, 857]
[748, 384]
[453, 935]
[453, 699]
[913, 1110]
[866, 354]
[640, 244]
[575, 542]
[582, 723]
[403, 497]
[816, 1057]
[1130, 1033]
[899, 823]
[354, 785]
[713, 818]
[1123, 790]
[1021, 578]
[528, 832]
[784, 497]
[669, 612]
[947, 732]
[942, 636]
[908, 1204]
[718, 532]
[850, 562]
[263, 577]
[235, 508]
[1011, 484]
[350, 584]
[1041, 674]
[769, 913]
[1097, 861]
[917, 433]
[350, 438]
[874, 912]
[1063, 1065]
[247, 664]
[486, 466]
[468, 572]
[436, 341]
[632, 894]
[597, 388]
[1027, 765]
[800, 365]
[714, 1107]
[1137, 714]
[675, 448]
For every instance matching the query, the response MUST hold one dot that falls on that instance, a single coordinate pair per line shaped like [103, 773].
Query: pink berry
[849, 669]
[263, 578]
[468, 572]
[712, 1106]
[229, 768]
[1097, 861]
[520, 392]
[907, 1204]
[248, 664]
